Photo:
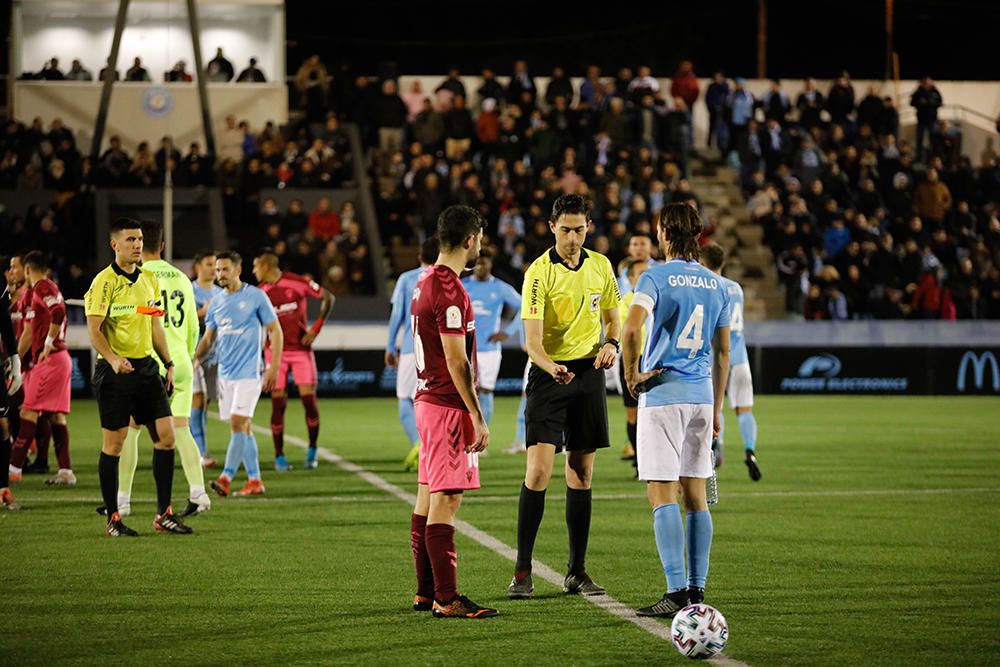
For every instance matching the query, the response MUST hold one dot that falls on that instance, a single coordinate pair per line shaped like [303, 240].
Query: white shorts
[489, 369]
[406, 377]
[740, 388]
[206, 381]
[674, 441]
[238, 397]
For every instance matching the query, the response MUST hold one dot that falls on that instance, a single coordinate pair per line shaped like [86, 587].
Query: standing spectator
[520, 83]
[389, 116]
[810, 103]
[51, 72]
[643, 84]
[459, 129]
[926, 99]
[296, 221]
[324, 221]
[196, 169]
[840, 100]
[252, 74]
[428, 127]
[452, 83]
[715, 101]
[775, 102]
[870, 109]
[932, 199]
[215, 75]
[108, 73]
[167, 156]
[488, 126]
[178, 73]
[137, 72]
[414, 100]
[311, 82]
[77, 72]
[490, 88]
[230, 140]
[591, 90]
[559, 86]
[888, 119]
[685, 84]
[223, 65]
[741, 104]
[352, 244]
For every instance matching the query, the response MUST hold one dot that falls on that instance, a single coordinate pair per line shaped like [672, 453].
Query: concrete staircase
[750, 263]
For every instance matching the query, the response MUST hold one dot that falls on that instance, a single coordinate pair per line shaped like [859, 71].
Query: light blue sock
[198, 424]
[408, 418]
[699, 543]
[251, 459]
[748, 430]
[486, 401]
[669, 532]
[722, 427]
[234, 455]
[521, 429]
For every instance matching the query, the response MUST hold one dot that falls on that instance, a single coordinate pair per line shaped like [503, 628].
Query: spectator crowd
[218, 70]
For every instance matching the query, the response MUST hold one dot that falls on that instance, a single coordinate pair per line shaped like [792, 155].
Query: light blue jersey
[400, 317]
[239, 319]
[686, 303]
[737, 342]
[624, 286]
[201, 297]
[488, 300]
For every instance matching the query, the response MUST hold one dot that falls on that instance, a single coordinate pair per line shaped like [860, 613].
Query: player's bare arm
[461, 374]
[24, 343]
[538, 355]
[163, 352]
[277, 342]
[720, 373]
[325, 306]
[612, 331]
[204, 345]
[632, 349]
[49, 340]
[100, 343]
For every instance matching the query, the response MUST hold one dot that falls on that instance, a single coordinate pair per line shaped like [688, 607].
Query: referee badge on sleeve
[453, 317]
[595, 302]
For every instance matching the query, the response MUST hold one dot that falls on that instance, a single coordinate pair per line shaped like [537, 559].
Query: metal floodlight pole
[102, 112]
[206, 117]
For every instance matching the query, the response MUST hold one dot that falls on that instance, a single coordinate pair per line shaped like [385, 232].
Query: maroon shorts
[444, 463]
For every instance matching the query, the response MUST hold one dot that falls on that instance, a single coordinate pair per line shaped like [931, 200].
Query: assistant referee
[124, 306]
[568, 293]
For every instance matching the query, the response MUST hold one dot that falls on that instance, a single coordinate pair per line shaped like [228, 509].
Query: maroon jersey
[288, 296]
[45, 309]
[441, 307]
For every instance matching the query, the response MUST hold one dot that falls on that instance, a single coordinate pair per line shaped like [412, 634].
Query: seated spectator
[459, 129]
[220, 67]
[490, 88]
[77, 72]
[559, 86]
[389, 116]
[137, 72]
[30, 178]
[252, 74]
[196, 168]
[359, 272]
[108, 73]
[932, 199]
[50, 72]
[333, 269]
[302, 260]
[414, 100]
[324, 222]
[178, 73]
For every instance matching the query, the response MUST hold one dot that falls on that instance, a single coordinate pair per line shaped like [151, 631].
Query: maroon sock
[440, 540]
[60, 436]
[25, 435]
[422, 562]
[312, 418]
[278, 404]
[43, 435]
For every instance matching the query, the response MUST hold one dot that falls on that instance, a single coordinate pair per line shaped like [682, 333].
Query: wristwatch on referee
[614, 341]
[167, 365]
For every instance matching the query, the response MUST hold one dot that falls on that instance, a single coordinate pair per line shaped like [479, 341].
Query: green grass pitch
[874, 538]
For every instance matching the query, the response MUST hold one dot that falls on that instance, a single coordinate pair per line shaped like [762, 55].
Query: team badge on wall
[157, 101]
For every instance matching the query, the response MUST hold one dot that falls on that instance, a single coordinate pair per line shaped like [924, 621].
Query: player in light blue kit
[489, 296]
[680, 390]
[740, 387]
[399, 354]
[237, 322]
[204, 387]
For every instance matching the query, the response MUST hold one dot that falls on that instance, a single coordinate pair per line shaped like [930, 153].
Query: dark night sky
[950, 39]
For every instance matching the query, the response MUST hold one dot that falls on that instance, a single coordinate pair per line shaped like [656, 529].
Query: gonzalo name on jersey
[692, 281]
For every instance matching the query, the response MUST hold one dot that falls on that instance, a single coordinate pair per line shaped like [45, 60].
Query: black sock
[4, 462]
[163, 473]
[530, 510]
[578, 524]
[107, 471]
[631, 428]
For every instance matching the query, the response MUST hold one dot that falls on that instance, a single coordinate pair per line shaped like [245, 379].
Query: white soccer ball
[699, 631]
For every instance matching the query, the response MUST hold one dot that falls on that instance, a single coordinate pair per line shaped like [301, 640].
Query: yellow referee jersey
[128, 302]
[569, 302]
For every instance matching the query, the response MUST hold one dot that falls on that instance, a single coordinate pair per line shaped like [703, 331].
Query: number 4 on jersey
[691, 338]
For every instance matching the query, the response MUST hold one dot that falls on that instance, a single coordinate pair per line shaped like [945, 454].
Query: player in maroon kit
[450, 421]
[288, 293]
[47, 386]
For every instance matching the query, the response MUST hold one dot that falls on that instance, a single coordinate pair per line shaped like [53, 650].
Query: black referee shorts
[139, 394]
[570, 416]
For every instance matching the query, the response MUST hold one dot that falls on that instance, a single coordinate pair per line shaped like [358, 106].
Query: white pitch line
[605, 602]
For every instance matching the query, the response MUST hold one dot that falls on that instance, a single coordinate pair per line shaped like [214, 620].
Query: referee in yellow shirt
[568, 293]
[124, 307]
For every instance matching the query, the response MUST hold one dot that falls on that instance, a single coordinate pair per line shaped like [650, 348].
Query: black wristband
[167, 365]
[614, 341]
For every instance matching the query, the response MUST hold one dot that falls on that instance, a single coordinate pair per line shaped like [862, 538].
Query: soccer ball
[699, 631]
